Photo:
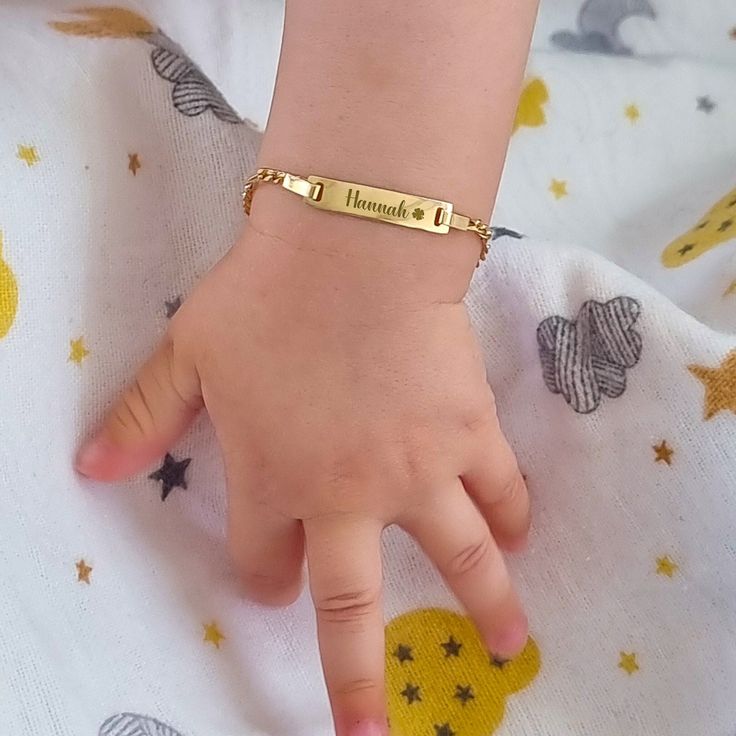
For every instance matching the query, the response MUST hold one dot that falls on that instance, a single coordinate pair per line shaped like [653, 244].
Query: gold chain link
[485, 233]
[272, 175]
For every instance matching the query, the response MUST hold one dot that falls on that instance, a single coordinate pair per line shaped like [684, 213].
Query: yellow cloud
[441, 679]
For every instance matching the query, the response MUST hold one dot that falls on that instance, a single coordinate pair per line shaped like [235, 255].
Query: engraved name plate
[360, 200]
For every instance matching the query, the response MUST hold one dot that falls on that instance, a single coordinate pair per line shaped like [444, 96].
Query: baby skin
[335, 356]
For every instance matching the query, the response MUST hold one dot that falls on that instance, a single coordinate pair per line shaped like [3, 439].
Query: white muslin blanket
[606, 311]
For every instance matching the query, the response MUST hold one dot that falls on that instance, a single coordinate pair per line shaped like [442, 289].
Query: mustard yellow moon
[106, 22]
[442, 680]
[530, 112]
[715, 227]
[8, 295]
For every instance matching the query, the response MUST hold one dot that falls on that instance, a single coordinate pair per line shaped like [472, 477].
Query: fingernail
[512, 640]
[368, 728]
[517, 544]
[91, 455]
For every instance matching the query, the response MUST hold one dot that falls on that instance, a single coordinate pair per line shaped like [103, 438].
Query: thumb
[146, 420]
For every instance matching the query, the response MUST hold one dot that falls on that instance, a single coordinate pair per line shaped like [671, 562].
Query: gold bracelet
[361, 200]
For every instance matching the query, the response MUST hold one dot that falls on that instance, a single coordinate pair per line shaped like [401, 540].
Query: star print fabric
[611, 354]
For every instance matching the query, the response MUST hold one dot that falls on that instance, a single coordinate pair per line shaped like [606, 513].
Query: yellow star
[731, 289]
[558, 188]
[213, 634]
[663, 453]
[77, 351]
[83, 572]
[29, 154]
[628, 663]
[666, 566]
[133, 163]
[632, 113]
[720, 385]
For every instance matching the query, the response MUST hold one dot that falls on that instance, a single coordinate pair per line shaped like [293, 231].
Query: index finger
[344, 560]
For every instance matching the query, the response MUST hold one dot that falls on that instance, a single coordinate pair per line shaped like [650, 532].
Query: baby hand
[343, 403]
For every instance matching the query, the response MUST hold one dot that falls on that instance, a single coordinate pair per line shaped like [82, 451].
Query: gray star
[403, 653]
[498, 661]
[411, 693]
[705, 104]
[464, 693]
[171, 474]
[172, 307]
[443, 730]
[451, 647]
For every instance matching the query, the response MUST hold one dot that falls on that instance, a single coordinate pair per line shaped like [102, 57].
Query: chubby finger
[498, 488]
[266, 547]
[344, 560]
[146, 420]
[456, 538]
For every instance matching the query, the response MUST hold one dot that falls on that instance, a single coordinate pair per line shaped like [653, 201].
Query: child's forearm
[417, 97]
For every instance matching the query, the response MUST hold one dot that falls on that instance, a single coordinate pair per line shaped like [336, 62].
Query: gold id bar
[372, 203]
[360, 200]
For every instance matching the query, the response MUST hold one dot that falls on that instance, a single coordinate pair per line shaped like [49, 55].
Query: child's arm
[417, 97]
[334, 355]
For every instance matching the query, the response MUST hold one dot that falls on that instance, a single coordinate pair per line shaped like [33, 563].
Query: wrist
[385, 261]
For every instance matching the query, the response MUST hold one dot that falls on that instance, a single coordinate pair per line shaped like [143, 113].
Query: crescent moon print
[192, 92]
[716, 227]
[598, 26]
[505, 232]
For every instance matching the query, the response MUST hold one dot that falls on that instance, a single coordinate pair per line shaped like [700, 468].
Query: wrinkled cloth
[607, 316]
